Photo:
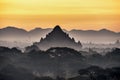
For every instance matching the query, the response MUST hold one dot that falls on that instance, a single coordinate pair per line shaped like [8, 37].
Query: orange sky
[70, 14]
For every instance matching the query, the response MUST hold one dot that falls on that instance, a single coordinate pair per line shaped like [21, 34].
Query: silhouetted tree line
[90, 73]
[18, 65]
[97, 73]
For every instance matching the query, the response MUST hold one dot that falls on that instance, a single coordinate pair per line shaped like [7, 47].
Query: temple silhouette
[57, 38]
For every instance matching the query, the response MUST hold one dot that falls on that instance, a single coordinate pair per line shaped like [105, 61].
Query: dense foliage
[58, 64]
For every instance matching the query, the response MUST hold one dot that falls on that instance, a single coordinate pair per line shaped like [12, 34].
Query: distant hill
[11, 33]
[16, 34]
[100, 36]
[37, 33]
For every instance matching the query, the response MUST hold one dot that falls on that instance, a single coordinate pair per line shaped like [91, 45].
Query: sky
[69, 14]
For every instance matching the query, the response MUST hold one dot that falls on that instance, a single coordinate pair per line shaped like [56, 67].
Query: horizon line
[61, 28]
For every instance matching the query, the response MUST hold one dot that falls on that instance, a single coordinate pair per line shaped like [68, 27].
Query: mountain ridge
[37, 33]
[52, 28]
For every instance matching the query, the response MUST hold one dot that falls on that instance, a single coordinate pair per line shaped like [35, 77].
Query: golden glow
[78, 14]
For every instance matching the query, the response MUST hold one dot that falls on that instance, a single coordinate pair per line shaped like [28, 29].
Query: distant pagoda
[117, 42]
[58, 38]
